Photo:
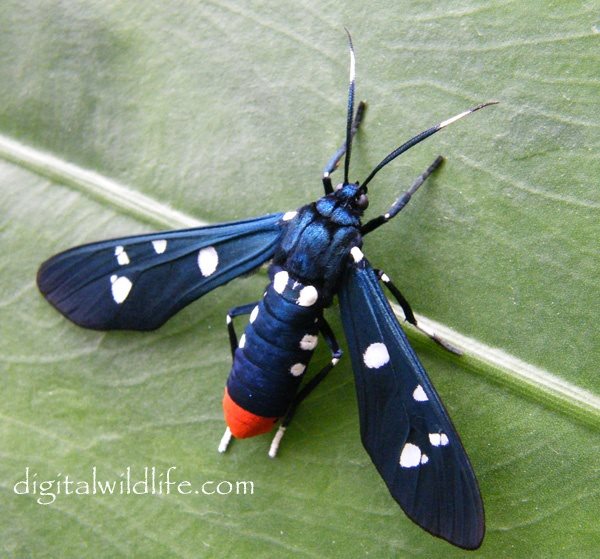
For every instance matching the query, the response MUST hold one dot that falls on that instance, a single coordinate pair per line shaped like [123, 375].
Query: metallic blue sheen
[260, 380]
[442, 495]
[77, 281]
[314, 250]
[434, 483]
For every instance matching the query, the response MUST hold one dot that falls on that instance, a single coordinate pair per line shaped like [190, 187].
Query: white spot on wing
[297, 369]
[120, 288]
[287, 216]
[308, 342]
[208, 260]
[253, 314]
[280, 281]
[308, 296]
[410, 456]
[357, 254]
[159, 246]
[121, 255]
[438, 439]
[419, 394]
[376, 355]
[424, 458]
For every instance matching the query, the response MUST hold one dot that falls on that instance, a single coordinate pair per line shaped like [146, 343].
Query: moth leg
[233, 341]
[402, 200]
[410, 316]
[225, 440]
[333, 163]
[336, 354]
[236, 311]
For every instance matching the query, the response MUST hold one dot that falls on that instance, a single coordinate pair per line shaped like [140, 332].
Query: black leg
[336, 354]
[402, 200]
[410, 316]
[333, 163]
[237, 311]
[233, 341]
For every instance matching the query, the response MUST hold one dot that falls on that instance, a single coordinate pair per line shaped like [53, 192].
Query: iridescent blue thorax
[315, 245]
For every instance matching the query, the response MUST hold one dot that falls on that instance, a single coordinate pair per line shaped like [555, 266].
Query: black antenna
[420, 137]
[350, 114]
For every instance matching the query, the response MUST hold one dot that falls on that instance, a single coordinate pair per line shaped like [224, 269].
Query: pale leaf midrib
[95, 185]
[492, 363]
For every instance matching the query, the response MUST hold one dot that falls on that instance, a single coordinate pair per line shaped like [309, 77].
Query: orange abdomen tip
[242, 423]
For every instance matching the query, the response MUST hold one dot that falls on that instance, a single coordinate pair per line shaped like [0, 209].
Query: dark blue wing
[404, 426]
[137, 283]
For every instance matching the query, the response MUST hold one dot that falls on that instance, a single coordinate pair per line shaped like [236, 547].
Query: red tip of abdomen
[242, 423]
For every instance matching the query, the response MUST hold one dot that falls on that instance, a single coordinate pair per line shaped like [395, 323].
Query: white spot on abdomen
[159, 246]
[308, 342]
[121, 255]
[242, 341]
[357, 254]
[376, 355]
[419, 394]
[253, 314]
[308, 296]
[410, 456]
[297, 369]
[208, 260]
[438, 439]
[280, 281]
[120, 288]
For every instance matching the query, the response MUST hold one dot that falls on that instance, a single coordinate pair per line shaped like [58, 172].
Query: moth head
[352, 195]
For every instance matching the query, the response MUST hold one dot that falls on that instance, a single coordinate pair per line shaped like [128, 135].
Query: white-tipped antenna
[420, 137]
[350, 114]
[225, 440]
[465, 113]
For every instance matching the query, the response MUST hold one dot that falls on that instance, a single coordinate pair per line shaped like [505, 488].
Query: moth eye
[362, 202]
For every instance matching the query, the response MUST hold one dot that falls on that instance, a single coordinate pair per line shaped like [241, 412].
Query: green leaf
[157, 114]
